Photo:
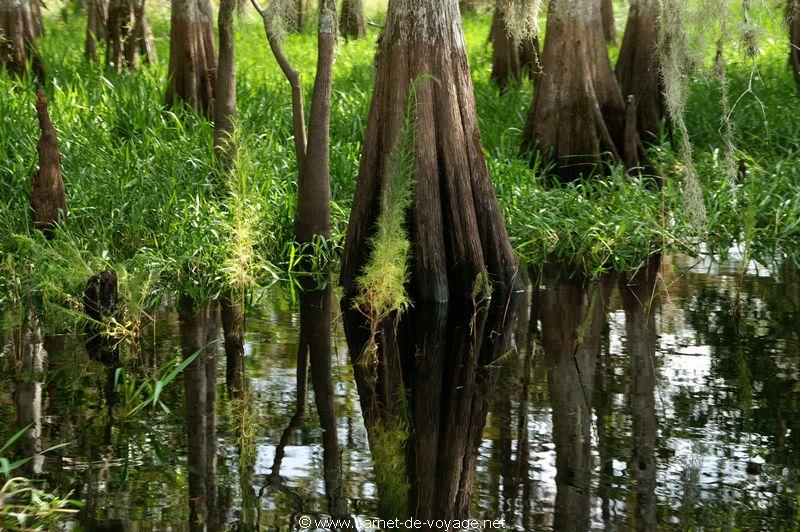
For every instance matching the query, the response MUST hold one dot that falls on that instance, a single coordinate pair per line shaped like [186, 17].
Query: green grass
[146, 199]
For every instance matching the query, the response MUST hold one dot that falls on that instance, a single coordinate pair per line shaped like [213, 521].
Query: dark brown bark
[96, 15]
[192, 60]
[313, 195]
[510, 57]
[609, 27]
[18, 31]
[455, 224]
[352, 24]
[232, 314]
[638, 70]
[442, 359]
[225, 103]
[506, 60]
[48, 197]
[578, 112]
[793, 19]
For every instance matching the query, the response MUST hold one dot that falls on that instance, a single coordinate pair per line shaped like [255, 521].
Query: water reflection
[425, 393]
[640, 297]
[663, 398]
[32, 358]
[199, 330]
[573, 316]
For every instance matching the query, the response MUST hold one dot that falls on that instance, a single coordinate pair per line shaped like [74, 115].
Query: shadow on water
[665, 398]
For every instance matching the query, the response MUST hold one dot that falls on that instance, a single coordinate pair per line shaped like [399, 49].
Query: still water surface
[665, 399]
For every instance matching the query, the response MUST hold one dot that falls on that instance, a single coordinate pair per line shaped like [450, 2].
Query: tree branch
[293, 77]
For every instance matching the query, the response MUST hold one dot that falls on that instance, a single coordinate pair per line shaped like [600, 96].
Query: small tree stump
[48, 197]
[100, 304]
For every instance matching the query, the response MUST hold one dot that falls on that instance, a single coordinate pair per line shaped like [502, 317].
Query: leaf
[15, 437]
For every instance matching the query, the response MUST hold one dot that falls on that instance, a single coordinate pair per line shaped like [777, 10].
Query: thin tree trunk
[793, 19]
[48, 197]
[18, 32]
[191, 71]
[225, 104]
[455, 224]
[638, 68]
[578, 111]
[609, 28]
[95, 28]
[313, 196]
[352, 24]
[142, 36]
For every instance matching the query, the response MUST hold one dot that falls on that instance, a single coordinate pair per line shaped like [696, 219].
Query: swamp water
[612, 405]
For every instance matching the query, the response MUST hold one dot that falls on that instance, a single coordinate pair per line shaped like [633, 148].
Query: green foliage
[23, 506]
[381, 286]
[387, 446]
[147, 198]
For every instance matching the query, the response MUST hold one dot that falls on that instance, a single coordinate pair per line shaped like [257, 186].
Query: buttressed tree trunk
[192, 60]
[96, 14]
[793, 18]
[578, 111]
[455, 225]
[510, 56]
[352, 24]
[609, 28]
[18, 46]
[313, 194]
[48, 197]
[638, 70]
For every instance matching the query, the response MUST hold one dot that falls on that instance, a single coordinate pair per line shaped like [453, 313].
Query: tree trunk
[352, 24]
[638, 69]
[18, 45]
[609, 28]
[48, 197]
[455, 224]
[142, 37]
[793, 18]
[506, 59]
[192, 62]
[225, 103]
[120, 22]
[313, 195]
[578, 111]
[95, 28]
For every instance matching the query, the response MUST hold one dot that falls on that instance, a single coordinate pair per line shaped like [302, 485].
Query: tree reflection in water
[425, 402]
